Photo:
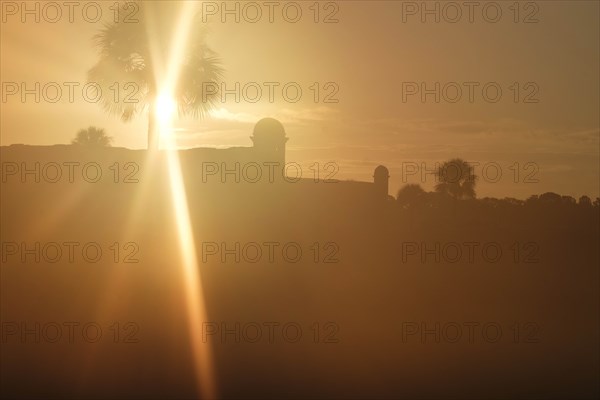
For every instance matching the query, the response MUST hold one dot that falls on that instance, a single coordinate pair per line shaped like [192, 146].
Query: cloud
[223, 113]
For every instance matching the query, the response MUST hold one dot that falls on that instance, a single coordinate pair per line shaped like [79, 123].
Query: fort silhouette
[269, 140]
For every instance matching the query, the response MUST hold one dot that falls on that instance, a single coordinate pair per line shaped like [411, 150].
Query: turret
[269, 140]
[381, 179]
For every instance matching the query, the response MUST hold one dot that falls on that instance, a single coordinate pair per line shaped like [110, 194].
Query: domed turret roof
[382, 171]
[269, 128]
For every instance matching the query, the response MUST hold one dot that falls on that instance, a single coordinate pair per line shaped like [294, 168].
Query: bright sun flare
[165, 108]
[196, 308]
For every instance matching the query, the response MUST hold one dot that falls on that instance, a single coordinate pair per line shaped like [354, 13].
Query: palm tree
[131, 54]
[92, 136]
[456, 179]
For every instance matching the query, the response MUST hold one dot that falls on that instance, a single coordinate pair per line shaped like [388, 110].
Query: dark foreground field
[382, 302]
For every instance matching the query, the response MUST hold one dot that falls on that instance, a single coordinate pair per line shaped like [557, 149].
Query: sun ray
[196, 309]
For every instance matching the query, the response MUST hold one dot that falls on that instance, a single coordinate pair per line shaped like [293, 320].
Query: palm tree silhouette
[456, 179]
[92, 136]
[131, 53]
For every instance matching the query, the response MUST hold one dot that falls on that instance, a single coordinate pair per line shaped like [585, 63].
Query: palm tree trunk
[152, 129]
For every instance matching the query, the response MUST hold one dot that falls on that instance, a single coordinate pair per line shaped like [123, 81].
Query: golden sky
[372, 55]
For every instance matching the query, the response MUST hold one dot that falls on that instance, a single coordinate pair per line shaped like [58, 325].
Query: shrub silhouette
[410, 195]
[92, 136]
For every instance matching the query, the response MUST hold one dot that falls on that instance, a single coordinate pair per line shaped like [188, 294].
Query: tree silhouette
[568, 200]
[92, 136]
[133, 52]
[410, 195]
[456, 179]
[550, 198]
[585, 201]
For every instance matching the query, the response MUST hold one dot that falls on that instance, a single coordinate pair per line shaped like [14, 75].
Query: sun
[165, 108]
